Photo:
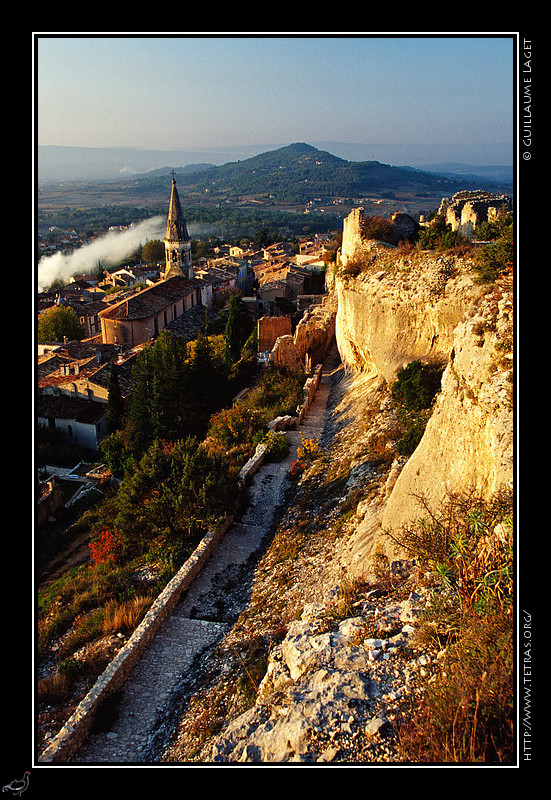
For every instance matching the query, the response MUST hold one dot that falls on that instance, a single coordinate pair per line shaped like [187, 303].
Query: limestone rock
[467, 209]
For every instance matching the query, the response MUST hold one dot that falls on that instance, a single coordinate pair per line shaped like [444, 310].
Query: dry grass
[124, 617]
[54, 689]
[115, 617]
[467, 712]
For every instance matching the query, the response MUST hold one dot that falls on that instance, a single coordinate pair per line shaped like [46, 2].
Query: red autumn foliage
[105, 548]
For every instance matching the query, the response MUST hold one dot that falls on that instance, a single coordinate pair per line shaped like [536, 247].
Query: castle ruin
[467, 209]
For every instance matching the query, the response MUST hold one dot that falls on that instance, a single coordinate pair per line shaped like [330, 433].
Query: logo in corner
[17, 787]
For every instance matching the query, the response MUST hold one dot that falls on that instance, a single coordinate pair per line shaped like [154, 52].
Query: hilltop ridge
[295, 173]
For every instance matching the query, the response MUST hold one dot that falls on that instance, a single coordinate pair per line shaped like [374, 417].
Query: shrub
[296, 468]
[467, 543]
[277, 446]
[439, 236]
[177, 490]
[278, 393]
[467, 710]
[106, 547]
[307, 452]
[377, 227]
[416, 385]
[407, 443]
[496, 259]
[235, 426]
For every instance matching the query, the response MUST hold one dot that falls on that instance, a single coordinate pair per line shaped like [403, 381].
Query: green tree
[58, 322]
[160, 397]
[142, 423]
[237, 329]
[115, 406]
[153, 250]
[116, 452]
[177, 490]
[209, 385]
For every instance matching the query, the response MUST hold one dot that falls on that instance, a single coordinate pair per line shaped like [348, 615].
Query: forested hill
[298, 173]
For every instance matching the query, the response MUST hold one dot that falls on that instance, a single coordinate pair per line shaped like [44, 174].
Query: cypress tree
[115, 406]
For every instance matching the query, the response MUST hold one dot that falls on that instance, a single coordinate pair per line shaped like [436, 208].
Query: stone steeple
[177, 241]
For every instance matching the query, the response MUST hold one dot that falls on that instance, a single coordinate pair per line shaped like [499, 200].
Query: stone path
[126, 737]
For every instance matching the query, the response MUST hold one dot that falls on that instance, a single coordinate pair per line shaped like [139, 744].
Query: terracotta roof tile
[149, 301]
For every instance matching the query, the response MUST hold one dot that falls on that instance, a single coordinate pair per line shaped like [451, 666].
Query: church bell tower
[177, 241]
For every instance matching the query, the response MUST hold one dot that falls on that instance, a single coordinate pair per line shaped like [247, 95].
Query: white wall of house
[80, 433]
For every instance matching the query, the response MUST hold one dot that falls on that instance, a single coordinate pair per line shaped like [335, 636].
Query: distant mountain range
[57, 163]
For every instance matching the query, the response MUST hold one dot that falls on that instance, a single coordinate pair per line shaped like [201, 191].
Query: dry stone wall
[75, 731]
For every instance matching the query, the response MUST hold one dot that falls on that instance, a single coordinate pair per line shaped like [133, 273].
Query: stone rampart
[311, 340]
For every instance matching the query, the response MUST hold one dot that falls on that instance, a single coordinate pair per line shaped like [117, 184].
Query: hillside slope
[298, 173]
[329, 650]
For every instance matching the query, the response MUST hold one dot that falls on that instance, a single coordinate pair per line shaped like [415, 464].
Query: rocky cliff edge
[394, 309]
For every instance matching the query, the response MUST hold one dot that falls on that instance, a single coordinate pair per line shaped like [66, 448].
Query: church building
[140, 317]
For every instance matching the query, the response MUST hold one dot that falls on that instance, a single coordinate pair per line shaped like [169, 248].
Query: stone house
[82, 370]
[220, 278]
[73, 388]
[130, 276]
[88, 312]
[84, 422]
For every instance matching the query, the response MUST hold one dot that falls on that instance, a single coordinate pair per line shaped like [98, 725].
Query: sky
[181, 92]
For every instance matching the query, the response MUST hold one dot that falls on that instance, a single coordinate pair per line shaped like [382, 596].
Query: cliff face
[428, 307]
[401, 309]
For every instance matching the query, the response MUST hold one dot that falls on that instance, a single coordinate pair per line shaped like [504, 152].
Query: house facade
[84, 422]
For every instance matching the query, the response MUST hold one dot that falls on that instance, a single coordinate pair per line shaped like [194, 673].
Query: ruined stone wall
[269, 329]
[312, 337]
[352, 238]
[465, 210]
[355, 245]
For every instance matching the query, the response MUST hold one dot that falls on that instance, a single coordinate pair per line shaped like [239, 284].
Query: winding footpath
[144, 700]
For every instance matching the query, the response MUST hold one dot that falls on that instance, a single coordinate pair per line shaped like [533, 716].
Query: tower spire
[177, 242]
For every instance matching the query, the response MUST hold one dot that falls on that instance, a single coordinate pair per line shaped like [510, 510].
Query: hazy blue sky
[185, 92]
